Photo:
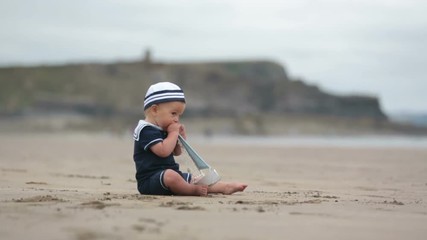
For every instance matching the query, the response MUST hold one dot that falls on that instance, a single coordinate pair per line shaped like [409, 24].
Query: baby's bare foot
[201, 190]
[231, 188]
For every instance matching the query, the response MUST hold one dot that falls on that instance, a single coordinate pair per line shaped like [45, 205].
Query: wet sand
[78, 186]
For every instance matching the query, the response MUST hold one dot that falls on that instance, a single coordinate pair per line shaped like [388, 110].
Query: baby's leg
[227, 188]
[179, 186]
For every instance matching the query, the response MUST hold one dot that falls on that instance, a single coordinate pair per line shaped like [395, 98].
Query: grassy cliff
[260, 91]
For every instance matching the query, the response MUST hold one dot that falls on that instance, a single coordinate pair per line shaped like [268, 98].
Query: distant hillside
[218, 89]
[259, 92]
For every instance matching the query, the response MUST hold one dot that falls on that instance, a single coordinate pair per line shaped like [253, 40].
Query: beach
[81, 186]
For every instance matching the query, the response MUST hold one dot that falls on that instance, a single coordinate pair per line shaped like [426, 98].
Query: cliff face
[240, 88]
[212, 89]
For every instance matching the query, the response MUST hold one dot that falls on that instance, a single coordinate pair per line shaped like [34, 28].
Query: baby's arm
[177, 151]
[165, 148]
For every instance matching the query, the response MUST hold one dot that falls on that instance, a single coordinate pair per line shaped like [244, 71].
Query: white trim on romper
[161, 178]
[155, 140]
[142, 124]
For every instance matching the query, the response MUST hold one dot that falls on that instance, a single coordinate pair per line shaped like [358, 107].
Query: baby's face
[169, 113]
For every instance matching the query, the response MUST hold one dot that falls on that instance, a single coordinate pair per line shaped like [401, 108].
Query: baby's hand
[174, 127]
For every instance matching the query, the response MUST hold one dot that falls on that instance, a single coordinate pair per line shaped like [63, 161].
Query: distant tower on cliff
[147, 57]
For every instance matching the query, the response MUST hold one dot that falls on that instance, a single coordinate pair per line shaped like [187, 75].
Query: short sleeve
[149, 136]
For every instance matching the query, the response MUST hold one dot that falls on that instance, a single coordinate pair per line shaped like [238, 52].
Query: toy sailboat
[207, 175]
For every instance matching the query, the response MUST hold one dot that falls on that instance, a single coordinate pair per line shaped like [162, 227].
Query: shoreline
[319, 140]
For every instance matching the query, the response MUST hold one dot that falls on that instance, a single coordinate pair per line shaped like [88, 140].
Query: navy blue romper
[150, 167]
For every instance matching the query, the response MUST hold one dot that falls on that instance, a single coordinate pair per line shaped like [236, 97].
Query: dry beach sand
[77, 186]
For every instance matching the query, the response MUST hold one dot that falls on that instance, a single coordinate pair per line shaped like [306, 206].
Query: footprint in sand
[36, 183]
[45, 198]
[97, 204]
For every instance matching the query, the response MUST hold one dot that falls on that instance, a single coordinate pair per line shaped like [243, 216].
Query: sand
[79, 186]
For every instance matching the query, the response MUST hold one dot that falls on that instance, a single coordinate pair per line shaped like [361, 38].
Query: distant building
[147, 57]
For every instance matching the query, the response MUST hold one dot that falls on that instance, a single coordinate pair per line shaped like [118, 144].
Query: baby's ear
[154, 108]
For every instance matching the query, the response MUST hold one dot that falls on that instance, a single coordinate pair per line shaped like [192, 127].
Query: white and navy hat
[163, 92]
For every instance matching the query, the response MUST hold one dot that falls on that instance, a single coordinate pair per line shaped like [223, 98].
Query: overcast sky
[375, 47]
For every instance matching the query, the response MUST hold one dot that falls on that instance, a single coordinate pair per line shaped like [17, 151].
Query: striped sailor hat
[163, 92]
